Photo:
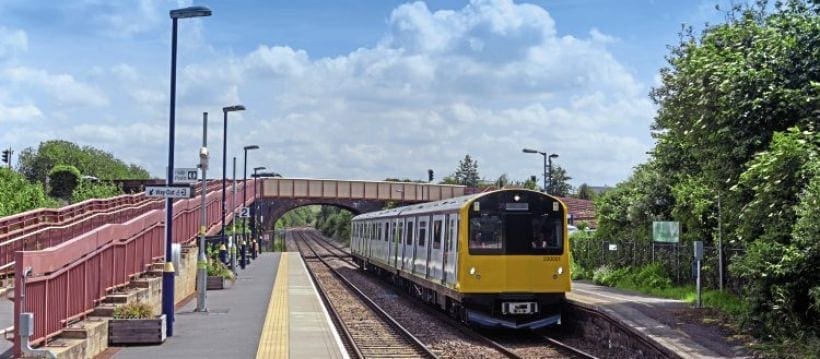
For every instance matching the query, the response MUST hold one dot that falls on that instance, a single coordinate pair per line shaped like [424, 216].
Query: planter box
[216, 282]
[136, 331]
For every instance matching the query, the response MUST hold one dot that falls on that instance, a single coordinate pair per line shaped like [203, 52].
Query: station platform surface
[657, 319]
[271, 311]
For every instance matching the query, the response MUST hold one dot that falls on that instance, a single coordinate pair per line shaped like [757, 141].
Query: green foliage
[298, 217]
[91, 189]
[585, 192]
[560, 182]
[780, 225]
[18, 195]
[577, 271]
[136, 310]
[62, 180]
[334, 222]
[35, 164]
[218, 269]
[608, 275]
[467, 172]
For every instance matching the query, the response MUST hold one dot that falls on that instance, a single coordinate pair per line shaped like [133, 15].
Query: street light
[256, 208]
[225, 111]
[242, 248]
[168, 273]
[547, 189]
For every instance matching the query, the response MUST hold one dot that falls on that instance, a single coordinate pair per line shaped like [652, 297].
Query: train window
[422, 232]
[486, 233]
[399, 233]
[437, 234]
[386, 231]
[409, 233]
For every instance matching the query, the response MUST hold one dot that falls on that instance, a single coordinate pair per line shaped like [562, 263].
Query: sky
[346, 89]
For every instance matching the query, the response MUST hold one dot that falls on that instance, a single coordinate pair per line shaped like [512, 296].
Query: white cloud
[12, 42]
[62, 87]
[487, 79]
[21, 113]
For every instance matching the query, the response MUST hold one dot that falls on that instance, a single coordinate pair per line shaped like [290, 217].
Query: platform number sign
[244, 212]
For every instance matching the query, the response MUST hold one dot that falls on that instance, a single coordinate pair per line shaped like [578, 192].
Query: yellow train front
[495, 259]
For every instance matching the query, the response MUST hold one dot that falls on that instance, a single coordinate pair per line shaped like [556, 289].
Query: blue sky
[346, 89]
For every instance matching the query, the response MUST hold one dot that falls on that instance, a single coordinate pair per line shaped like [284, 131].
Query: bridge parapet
[303, 188]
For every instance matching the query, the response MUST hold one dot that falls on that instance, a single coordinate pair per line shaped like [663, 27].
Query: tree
[585, 192]
[502, 181]
[724, 96]
[559, 185]
[36, 164]
[20, 195]
[780, 227]
[62, 180]
[467, 172]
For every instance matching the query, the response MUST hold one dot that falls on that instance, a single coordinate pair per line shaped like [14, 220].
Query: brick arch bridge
[280, 195]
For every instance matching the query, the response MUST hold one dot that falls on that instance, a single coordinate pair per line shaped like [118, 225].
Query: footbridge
[280, 195]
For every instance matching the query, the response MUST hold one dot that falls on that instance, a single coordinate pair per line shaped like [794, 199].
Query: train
[496, 259]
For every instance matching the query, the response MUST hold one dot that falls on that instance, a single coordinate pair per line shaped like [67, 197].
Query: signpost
[664, 232]
[185, 175]
[244, 212]
[169, 191]
[698, 251]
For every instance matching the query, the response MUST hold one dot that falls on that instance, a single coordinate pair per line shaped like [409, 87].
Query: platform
[271, 311]
[655, 319]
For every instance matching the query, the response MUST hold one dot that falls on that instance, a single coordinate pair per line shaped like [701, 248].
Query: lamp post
[243, 248]
[256, 207]
[225, 110]
[547, 189]
[202, 259]
[168, 273]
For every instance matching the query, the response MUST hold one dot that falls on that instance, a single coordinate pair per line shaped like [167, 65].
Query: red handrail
[68, 280]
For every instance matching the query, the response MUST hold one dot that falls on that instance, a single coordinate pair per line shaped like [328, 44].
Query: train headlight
[472, 270]
[560, 270]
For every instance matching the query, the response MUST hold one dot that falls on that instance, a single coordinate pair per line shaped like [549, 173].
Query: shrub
[138, 310]
[219, 269]
[608, 276]
[63, 179]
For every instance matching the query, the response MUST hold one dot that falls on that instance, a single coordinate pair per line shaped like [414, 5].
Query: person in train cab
[539, 241]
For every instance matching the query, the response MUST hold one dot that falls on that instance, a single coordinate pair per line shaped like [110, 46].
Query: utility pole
[202, 260]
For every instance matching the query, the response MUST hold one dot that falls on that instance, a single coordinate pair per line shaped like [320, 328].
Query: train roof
[443, 205]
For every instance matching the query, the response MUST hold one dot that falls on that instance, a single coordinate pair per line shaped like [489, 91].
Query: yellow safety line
[274, 340]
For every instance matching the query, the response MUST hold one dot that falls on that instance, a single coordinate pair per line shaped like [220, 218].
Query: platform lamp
[168, 273]
[254, 231]
[546, 175]
[244, 247]
[225, 110]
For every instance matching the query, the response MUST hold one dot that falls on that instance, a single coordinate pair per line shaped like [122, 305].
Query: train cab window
[486, 233]
[422, 232]
[409, 233]
[437, 234]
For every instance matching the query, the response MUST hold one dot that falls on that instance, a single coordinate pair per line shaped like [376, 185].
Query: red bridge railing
[43, 228]
[68, 280]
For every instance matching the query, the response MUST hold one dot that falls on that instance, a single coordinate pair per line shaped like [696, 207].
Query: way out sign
[666, 232]
[169, 191]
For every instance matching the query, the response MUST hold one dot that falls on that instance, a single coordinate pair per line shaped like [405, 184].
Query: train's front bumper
[481, 319]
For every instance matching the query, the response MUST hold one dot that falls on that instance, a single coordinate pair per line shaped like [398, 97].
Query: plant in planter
[218, 272]
[134, 323]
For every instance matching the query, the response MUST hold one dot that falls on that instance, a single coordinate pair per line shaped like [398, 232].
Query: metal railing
[68, 280]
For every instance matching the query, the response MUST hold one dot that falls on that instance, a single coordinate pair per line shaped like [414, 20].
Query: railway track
[370, 332]
[479, 344]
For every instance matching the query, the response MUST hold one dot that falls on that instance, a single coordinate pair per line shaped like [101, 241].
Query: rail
[69, 279]
[28, 232]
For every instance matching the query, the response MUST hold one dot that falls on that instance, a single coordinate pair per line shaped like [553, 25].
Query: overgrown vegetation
[19, 195]
[737, 154]
[334, 222]
[134, 310]
[35, 164]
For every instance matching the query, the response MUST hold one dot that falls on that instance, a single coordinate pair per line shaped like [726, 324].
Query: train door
[407, 255]
[395, 244]
[436, 261]
[387, 241]
[420, 258]
[451, 250]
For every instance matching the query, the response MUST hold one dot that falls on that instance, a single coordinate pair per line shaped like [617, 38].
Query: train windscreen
[512, 222]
